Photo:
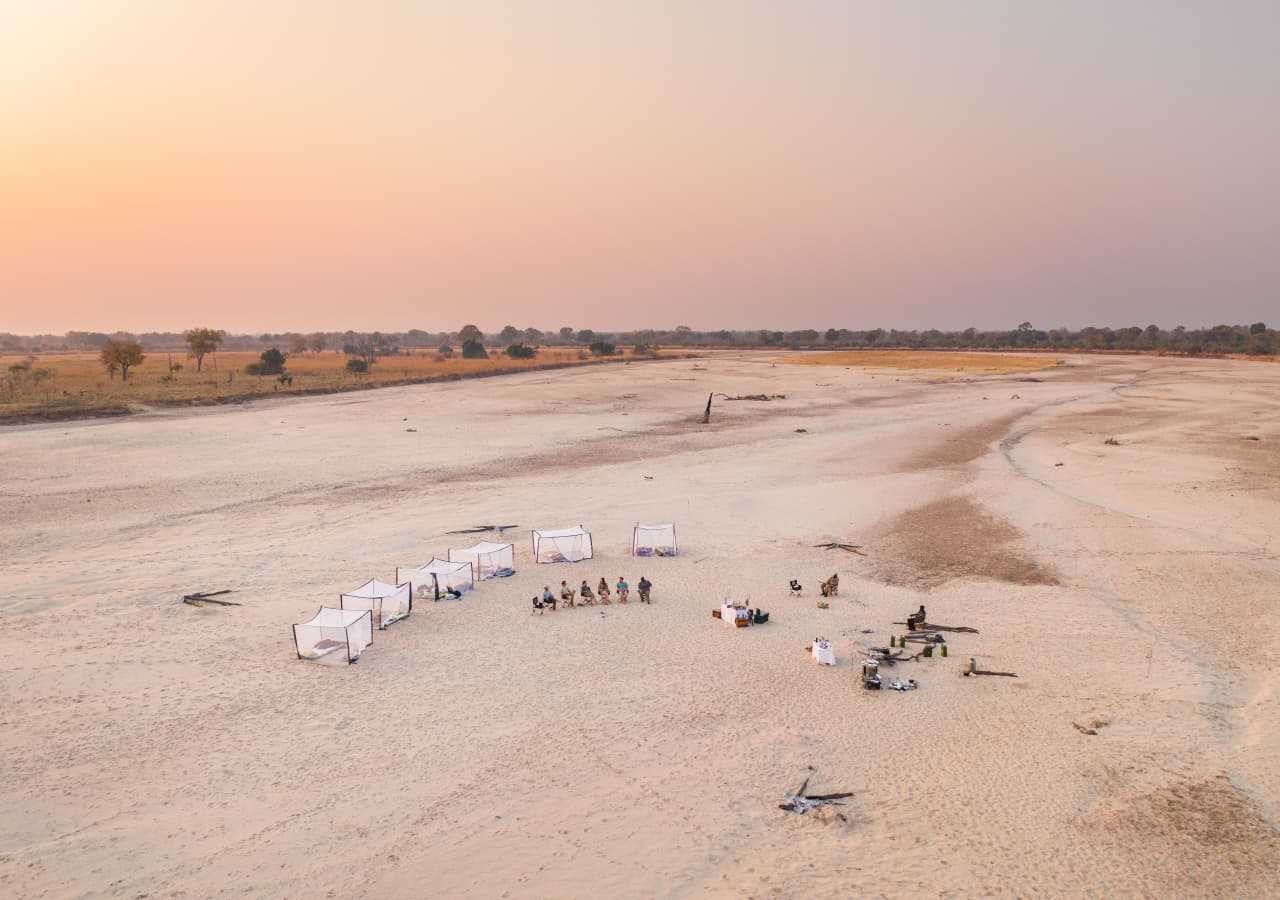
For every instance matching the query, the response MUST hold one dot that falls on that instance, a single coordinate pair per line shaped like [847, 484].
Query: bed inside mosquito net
[334, 635]
[653, 540]
[489, 559]
[448, 575]
[388, 602]
[561, 545]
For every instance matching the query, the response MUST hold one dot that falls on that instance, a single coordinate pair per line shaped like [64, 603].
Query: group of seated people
[587, 597]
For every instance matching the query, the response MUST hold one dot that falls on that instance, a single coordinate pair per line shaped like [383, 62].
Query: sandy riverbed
[155, 749]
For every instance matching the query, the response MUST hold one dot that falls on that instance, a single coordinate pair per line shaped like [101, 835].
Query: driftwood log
[478, 529]
[208, 597]
[974, 670]
[929, 626]
[801, 803]
[852, 548]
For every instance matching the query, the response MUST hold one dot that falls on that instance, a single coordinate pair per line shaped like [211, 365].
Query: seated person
[645, 585]
[624, 589]
[566, 594]
[548, 598]
[585, 592]
[603, 590]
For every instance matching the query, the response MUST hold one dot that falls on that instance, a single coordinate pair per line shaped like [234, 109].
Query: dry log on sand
[926, 627]
[208, 597]
[974, 670]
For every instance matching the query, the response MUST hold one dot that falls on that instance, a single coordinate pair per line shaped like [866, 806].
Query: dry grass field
[76, 384]
[942, 360]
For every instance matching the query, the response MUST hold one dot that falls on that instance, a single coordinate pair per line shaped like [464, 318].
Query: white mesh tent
[388, 602]
[436, 577]
[653, 540]
[340, 634]
[562, 545]
[487, 558]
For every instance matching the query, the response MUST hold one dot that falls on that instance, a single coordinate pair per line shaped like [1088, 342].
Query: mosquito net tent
[388, 602]
[437, 577]
[653, 540]
[562, 545]
[334, 634]
[488, 558]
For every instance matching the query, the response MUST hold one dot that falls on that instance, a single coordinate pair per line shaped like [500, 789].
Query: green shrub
[520, 351]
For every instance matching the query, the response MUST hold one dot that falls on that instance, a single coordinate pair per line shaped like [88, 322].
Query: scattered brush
[839, 545]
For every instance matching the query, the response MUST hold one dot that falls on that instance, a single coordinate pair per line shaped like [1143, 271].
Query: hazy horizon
[285, 166]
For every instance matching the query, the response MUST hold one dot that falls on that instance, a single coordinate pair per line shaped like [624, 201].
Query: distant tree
[297, 344]
[474, 349]
[122, 355]
[586, 336]
[520, 351]
[603, 348]
[471, 333]
[1258, 328]
[1260, 344]
[203, 341]
[357, 366]
[509, 334]
[271, 362]
[645, 349]
[446, 349]
[533, 336]
[317, 342]
[566, 335]
[366, 346]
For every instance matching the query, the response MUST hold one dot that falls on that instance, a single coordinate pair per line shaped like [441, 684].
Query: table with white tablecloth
[823, 654]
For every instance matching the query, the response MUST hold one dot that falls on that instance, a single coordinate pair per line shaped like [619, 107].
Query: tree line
[1253, 339]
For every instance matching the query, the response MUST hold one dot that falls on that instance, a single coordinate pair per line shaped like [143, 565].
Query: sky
[271, 165]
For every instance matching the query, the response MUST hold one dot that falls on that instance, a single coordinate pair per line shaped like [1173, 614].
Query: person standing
[645, 585]
[566, 594]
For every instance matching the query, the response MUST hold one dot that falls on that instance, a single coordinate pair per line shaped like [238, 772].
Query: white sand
[155, 749]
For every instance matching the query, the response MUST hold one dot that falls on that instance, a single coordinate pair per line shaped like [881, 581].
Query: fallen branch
[837, 545]
[929, 626]
[765, 398]
[207, 597]
[482, 528]
[974, 670]
[1083, 730]
[800, 802]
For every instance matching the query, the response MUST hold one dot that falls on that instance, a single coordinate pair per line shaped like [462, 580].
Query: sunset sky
[265, 165]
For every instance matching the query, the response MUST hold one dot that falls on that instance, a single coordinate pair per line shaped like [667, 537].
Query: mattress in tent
[561, 545]
[653, 540]
[388, 602]
[488, 558]
[446, 575]
[340, 634]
